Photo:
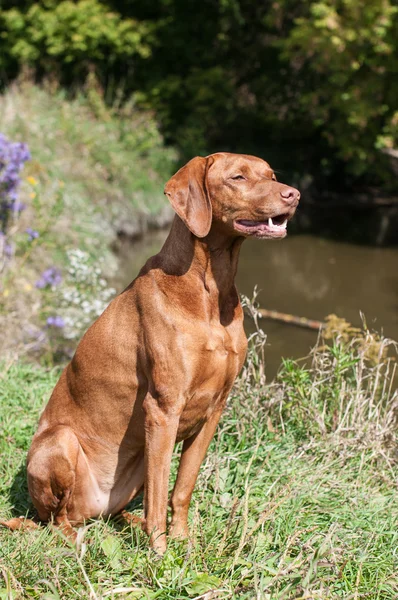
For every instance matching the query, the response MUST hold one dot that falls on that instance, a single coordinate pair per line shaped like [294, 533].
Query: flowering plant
[51, 277]
[80, 297]
[71, 295]
[85, 294]
[13, 156]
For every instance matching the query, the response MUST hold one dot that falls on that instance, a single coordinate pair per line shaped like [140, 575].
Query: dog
[157, 366]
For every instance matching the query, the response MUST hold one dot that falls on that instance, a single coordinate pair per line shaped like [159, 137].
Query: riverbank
[296, 498]
[95, 173]
[93, 184]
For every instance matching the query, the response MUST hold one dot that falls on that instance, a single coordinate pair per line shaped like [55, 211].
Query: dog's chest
[211, 375]
[221, 353]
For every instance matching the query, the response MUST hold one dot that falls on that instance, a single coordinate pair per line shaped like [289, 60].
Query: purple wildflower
[17, 206]
[32, 234]
[12, 159]
[8, 250]
[50, 277]
[55, 321]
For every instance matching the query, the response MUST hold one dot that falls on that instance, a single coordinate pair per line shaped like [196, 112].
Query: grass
[288, 505]
[111, 161]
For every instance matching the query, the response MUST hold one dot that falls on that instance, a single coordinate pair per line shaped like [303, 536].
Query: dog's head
[236, 193]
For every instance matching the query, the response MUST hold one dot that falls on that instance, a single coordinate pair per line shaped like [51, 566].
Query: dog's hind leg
[51, 470]
[52, 467]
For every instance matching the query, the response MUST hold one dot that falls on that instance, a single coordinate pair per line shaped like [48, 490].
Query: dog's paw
[129, 518]
[158, 544]
[179, 531]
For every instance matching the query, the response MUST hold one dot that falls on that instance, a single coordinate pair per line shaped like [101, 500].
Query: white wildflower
[83, 295]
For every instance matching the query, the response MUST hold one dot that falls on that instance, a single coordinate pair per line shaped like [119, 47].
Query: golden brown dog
[158, 365]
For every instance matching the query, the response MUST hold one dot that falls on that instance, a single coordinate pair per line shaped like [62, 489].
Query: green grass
[111, 161]
[277, 513]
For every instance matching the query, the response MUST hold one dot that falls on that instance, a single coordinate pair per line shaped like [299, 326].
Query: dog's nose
[290, 195]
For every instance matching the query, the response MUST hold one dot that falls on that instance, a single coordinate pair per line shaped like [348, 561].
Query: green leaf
[112, 548]
[202, 583]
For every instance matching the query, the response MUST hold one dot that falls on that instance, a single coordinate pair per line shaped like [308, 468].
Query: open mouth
[272, 227]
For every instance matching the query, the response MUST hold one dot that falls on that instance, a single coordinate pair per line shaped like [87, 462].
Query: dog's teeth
[284, 224]
[270, 222]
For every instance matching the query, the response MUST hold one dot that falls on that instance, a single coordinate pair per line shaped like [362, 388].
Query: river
[303, 275]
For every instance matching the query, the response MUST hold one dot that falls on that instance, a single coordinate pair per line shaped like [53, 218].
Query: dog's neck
[212, 260]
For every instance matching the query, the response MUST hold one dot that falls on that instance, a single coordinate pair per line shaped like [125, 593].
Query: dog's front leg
[193, 453]
[160, 435]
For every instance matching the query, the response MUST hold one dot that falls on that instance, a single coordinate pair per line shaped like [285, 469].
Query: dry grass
[344, 392]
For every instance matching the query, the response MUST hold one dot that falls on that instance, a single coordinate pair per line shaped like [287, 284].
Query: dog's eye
[238, 177]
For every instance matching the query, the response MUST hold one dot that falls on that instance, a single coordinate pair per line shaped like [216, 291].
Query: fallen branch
[290, 319]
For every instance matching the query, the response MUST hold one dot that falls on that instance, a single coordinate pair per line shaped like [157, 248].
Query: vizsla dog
[158, 364]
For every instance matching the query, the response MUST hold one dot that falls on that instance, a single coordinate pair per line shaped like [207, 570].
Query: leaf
[202, 583]
[222, 478]
[112, 548]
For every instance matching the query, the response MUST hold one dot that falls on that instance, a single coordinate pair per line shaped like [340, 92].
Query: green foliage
[204, 97]
[316, 81]
[316, 78]
[52, 35]
[349, 51]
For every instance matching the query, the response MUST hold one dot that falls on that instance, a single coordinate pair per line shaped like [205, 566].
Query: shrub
[65, 37]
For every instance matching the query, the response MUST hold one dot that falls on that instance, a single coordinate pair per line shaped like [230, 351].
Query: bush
[65, 37]
[345, 55]
[344, 392]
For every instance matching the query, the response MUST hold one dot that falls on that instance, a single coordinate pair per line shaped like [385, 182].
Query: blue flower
[50, 277]
[8, 250]
[55, 321]
[17, 206]
[32, 234]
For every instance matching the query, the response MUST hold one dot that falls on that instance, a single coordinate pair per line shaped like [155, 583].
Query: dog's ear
[188, 195]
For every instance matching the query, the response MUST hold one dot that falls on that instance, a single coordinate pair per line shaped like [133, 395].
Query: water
[303, 275]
